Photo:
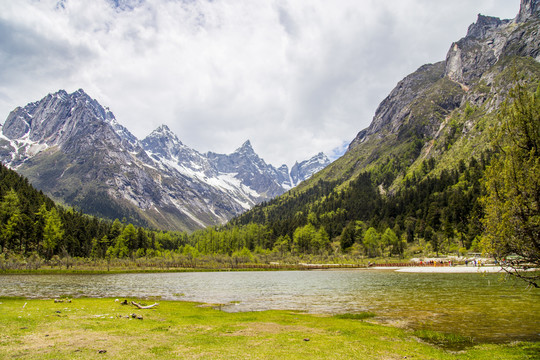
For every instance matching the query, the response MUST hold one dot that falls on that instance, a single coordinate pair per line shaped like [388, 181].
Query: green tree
[142, 239]
[9, 205]
[320, 241]
[120, 249]
[392, 242]
[312, 219]
[282, 245]
[242, 256]
[10, 218]
[512, 183]
[302, 237]
[371, 242]
[11, 233]
[431, 237]
[52, 232]
[115, 230]
[95, 252]
[130, 236]
[348, 236]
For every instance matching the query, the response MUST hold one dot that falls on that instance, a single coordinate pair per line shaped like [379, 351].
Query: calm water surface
[475, 305]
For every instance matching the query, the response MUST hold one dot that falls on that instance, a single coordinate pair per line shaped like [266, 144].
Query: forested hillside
[413, 181]
[449, 165]
[434, 210]
[32, 226]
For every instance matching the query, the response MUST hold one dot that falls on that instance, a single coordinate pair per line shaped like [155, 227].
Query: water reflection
[475, 305]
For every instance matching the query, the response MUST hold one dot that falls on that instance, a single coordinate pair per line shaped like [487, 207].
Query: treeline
[441, 211]
[428, 214]
[32, 224]
[432, 211]
[436, 213]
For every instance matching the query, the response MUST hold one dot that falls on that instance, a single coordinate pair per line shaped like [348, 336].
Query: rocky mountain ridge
[467, 61]
[441, 114]
[71, 147]
[418, 167]
[416, 111]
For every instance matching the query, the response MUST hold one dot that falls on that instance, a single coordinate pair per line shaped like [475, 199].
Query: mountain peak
[246, 147]
[528, 9]
[305, 169]
[483, 24]
[247, 144]
[81, 92]
[161, 141]
[163, 129]
[61, 93]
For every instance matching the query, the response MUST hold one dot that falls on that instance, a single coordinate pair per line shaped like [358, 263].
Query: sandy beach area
[444, 269]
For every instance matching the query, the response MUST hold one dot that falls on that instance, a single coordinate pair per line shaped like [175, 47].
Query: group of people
[474, 262]
[436, 263]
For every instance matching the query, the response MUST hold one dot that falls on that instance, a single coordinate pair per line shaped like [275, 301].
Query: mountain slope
[72, 148]
[478, 71]
[427, 145]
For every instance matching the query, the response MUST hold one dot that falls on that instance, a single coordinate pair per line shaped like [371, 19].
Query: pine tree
[52, 232]
[512, 182]
[10, 221]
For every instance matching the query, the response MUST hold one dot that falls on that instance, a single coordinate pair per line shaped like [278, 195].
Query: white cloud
[294, 77]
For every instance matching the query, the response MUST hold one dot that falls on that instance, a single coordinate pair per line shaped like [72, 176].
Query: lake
[487, 307]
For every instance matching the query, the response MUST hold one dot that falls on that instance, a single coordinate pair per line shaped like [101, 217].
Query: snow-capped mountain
[75, 150]
[262, 178]
[305, 169]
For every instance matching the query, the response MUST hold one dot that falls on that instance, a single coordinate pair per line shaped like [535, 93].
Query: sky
[295, 77]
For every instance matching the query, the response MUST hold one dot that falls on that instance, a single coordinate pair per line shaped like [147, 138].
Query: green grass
[446, 340]
[358, 316]
[43, 329]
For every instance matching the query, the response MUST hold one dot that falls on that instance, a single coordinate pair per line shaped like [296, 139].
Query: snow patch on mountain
[158, 174]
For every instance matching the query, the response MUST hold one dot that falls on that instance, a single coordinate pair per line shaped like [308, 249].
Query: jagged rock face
[163, 142]
[284, 177]
[251, 169]
[396, 108]
[165, 148]
[490, 38]
[487, 41]
[74, 122]
[528, 9]
[74, 149]
[473, 55]
[305, 169]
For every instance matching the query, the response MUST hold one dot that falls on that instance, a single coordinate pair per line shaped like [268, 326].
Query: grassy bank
[60, 271]
[57, 271]
[103, 328]
[89, 266]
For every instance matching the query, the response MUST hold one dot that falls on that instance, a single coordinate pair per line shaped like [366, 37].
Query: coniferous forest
[430, 213]
[357, 219]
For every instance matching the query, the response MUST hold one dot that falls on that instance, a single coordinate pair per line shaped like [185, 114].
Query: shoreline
[456, 269]
[446, 269]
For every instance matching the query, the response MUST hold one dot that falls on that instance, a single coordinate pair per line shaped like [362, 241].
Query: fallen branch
[144, 307]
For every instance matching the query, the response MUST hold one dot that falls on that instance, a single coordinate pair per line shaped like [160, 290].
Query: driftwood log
[144, 307]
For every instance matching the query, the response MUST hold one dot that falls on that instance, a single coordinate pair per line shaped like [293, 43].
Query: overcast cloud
[293, 76]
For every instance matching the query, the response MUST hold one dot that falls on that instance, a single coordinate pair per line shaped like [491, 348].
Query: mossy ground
[43, 329]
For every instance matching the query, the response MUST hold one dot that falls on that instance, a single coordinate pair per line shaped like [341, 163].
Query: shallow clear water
[481, 306]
